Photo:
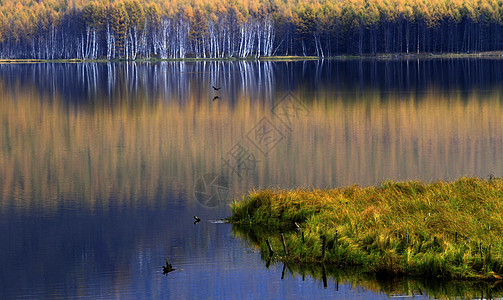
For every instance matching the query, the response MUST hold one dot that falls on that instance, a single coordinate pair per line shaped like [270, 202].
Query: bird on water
[167, 268]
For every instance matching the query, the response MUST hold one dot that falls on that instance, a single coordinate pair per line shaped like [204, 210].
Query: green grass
[156, 59]
[35, 61]
[379, 56]
[438, 230]
[289, 57]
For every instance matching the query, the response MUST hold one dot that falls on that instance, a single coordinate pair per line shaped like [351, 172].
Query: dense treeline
[132, 29]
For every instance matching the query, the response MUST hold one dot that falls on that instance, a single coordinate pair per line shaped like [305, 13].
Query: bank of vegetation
[448, 230]
[132, 29]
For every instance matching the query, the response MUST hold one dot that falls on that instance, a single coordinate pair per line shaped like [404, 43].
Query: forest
[164, 29]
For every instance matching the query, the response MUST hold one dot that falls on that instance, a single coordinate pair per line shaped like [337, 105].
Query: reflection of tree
[176, 81]
[131, 131]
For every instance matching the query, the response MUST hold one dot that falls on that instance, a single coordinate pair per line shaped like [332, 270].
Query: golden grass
[441, 229]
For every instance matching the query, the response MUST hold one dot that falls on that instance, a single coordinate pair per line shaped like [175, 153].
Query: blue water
[74, 230]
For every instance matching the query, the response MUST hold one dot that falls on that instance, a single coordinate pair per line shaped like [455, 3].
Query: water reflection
[129, 83]
[180, 81]
[100, 163]
[137, 142]
[331, 276]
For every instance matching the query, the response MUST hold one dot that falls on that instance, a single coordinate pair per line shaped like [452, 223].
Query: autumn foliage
[132, 29]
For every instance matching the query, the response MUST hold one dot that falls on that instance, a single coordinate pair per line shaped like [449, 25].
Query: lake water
[103, 166]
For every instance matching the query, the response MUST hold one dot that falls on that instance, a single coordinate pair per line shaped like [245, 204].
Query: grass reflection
[334, 276]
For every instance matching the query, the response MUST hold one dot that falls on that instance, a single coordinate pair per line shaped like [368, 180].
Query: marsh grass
[437, 230]
[338, 275]
[397, 286]
[287, 58]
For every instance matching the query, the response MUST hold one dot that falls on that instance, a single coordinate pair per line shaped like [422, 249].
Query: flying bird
[197, 219]
[216, 88]
[215, 98]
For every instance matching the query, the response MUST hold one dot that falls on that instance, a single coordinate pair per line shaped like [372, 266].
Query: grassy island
[451, 230]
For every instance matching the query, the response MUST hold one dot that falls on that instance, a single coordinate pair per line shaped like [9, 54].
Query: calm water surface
[103, 166]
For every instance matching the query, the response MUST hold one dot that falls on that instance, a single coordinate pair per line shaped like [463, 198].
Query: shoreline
[447, 230]
[379, 56]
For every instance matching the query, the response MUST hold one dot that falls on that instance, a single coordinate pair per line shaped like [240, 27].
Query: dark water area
[91, 82]
[104, 165]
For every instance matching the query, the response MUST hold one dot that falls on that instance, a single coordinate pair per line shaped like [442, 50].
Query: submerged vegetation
[332, 276]
[448, 230]
[139, 29]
